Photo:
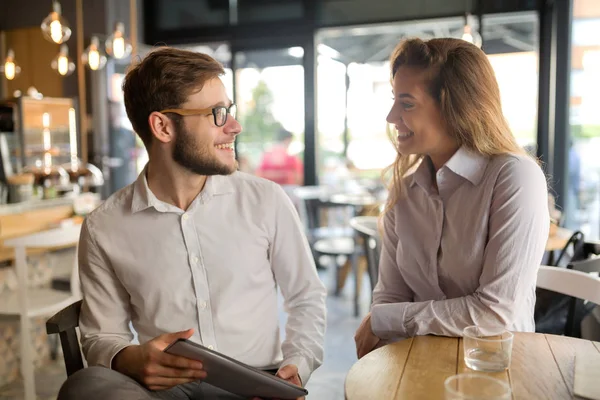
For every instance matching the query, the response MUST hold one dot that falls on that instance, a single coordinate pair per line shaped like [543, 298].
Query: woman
[465, 232]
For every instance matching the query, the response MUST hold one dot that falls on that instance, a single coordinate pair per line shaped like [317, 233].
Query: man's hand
[365, 338]
[155, 369]
[289, 373]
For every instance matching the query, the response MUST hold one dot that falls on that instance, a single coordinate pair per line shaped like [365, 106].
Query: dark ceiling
[516, 32]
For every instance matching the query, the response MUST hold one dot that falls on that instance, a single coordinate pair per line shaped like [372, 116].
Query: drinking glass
[487, 349]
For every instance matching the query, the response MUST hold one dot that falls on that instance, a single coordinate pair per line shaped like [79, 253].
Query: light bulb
[116, 44]
[56, 31]
[92, 56]
[119, 47]
[54, 27]
[94, 59]
[62, 64]
[10, 68]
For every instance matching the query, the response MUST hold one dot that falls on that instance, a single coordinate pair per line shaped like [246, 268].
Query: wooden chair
[367, 229]
[64, 323]
[313, 200]
[368, 236]
[26, 303]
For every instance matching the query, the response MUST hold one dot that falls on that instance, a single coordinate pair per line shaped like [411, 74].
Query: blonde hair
[462, 81]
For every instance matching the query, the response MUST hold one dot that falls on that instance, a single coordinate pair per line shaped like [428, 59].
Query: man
[191, 250]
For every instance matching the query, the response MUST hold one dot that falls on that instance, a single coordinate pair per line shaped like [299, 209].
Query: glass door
[269, 92]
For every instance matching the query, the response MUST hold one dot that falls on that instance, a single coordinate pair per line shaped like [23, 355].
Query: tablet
[234, 376]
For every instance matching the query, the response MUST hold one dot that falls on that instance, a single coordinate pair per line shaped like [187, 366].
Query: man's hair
[283, 134]
[164, 79]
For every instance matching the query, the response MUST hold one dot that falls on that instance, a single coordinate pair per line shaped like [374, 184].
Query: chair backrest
[64, 323]
[573, 283]
[573, 250]
[579, 285]
[366, 227]
[577, 308]
[309, 198]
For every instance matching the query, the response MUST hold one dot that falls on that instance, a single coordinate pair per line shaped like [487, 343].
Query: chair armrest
[65, 319]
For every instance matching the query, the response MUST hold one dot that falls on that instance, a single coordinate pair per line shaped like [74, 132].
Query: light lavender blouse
[468, 255]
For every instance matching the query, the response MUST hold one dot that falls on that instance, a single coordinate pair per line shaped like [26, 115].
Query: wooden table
[542, 367]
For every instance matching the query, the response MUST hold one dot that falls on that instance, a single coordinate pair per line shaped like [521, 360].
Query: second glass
[487, 350]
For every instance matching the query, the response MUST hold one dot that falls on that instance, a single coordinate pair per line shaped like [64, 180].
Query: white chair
[26, 303]
[569, 282]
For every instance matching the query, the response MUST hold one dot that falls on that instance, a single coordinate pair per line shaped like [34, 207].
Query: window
[582, 202]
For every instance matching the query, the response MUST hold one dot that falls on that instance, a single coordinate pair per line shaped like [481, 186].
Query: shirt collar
[143, 197]
[465, 163]
[468, 164]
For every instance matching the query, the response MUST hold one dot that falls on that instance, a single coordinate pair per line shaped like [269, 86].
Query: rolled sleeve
[303, 364]
[387, 320]
[391, 291]
[303, 292]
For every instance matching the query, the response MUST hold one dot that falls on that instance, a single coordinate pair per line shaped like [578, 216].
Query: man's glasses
[219, 112]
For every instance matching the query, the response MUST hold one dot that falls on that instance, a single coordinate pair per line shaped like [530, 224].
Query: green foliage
[585, 131]
[259, 125]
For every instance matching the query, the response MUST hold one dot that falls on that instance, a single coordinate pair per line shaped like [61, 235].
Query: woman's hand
[365, 339]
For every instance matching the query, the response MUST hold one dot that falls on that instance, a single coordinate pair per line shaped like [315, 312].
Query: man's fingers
[287, 372]
[169, 372]
[164, 382]
[169, 360]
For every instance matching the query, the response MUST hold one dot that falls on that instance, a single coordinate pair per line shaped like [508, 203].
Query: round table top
[542, 367]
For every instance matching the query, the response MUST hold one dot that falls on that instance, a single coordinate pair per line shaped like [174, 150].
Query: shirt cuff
[104, 351]
[387, 320]
[304, 371]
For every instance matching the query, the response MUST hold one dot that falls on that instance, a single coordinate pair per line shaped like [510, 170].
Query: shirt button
[194, 259]
[203, 305]
[185, 217]
[210, 347]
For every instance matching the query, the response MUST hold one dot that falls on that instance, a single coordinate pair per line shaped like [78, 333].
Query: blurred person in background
[278, 165]
[467, 219]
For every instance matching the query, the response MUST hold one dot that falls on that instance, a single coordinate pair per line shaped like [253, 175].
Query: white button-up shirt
[215, 267]
[465, 254]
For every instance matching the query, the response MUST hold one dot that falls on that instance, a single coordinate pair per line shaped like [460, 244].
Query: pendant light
[116, 44]
[55, 27]
[62, 64]
[93, 55]
[10, 68]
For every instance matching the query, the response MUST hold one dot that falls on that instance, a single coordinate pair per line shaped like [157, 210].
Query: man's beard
[197, 157]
